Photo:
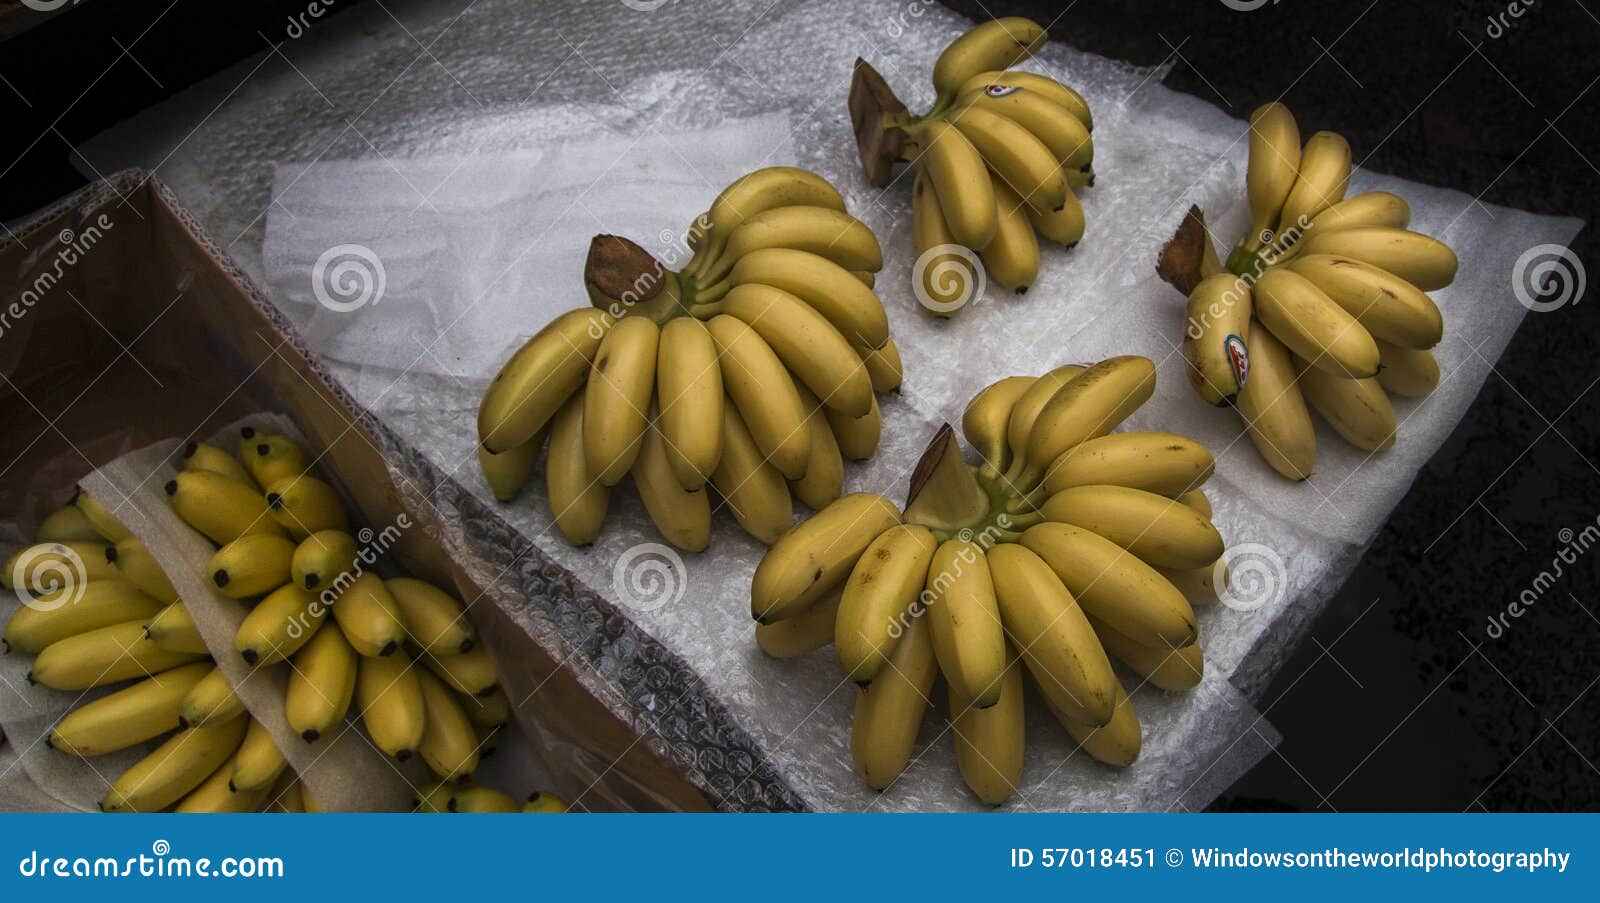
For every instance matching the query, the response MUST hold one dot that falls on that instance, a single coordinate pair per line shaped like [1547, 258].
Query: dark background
[1398, 700]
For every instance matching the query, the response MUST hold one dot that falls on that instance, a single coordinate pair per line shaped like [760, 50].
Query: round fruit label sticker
[999, 90]
[1239, 357]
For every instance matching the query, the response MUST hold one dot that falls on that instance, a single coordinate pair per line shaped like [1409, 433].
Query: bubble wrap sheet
[412, 141]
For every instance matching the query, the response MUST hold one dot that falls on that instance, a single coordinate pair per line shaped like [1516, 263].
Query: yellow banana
[689, 390]
[369, 616]
[823, 231]
[390, 697]
[1324, 178]
[321, 685]
[1051, 633]
[258, 763]
[539, 378]
[764, 189]
[482, 799]
[1407, 371]
[174, 630]
[806, 343]
[984, 421]
[1169, 669]
[1274, 411]
[1117, 742]
[67, 524]
[269, 457]
[883, 365]
[1013, 153]
[200, 456]
[682, 516]
[1027, 408]
[867, 278]
[804, 633]
[1311, 325]
[1214, 337]
[544, 803]
[222, 509]
[137, 566]
[174, 768]
[210, 701]
[252, 565]
[285, 795]
[469, 673]
[486, 710]
[47, 566]
[449, 744]
[989, 742]
[127, 717]
[958, 178]
[1090, 405]
[578, 500]
[322, 558]
[106, 655]
[1198, 585]
[1357, 409]
[968, 640]
[74, 610]
[303, 505]
[101, 518]
[1422, 260]
[1374, 208]
[1163, 463]
[509, 471]
[995, 44]
[1065, 226]
[1159, 530]
[617, 398]
[1040, 84]
[214, 796]
[1012, 258]
[765, 395]
[1196, 499]
[1053, 124]
[753, 489]
[435, 619]
[824, 478]
[810, 559]
[876, 605]
[834, 291]
[279, 625]
[1387, 306]
[944, 280]
[857, 436]
[1273, 170]
[889, 710]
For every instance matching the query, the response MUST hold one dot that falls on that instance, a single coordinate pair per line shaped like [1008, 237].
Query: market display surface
[1156, 154]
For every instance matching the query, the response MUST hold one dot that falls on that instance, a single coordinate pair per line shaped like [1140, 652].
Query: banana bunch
[1322, 307]
[753, 369]
[1066, 546]
[997, 161]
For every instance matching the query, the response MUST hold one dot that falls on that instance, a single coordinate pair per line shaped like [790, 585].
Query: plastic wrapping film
[503, 83]
[344, 772]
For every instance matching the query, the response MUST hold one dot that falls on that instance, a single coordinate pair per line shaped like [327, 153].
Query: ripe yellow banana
[47, 566]
[1387, 306]
[98, 515]
[1039, 84]
[807, 344]
[1012, 258]
[689, 390]
[210, 701]
[106, 655]
[130, 716]
[1198, 585]
[1019, 158]
[984, 421]
[824, 479]
[1027, 408]
[1324, 178]
[1310, 324]
[539, 378]
[968, 640]
[1274, 411]
[810, 559]
[213, 796]
[1065, 226]
[486, 710]
[544, 803]
[369, 616]
[1421, 260]
[1117, 742]
[989, 742]
[1273, 170]
[1090, 405]
[1054, 125]
[482, 799]
[321, 684]
[943, 280]
[449, 744]
[1158, 530]
[174, 768]
[754, 490]
[996, 44]
[67, 524]
[957, 177]
[136, 565]
[258, 763]
[857, 436]
[469, 673]
[1374, 208]
[823, 231]
[507, 472]
[200, 456]
[390, 697]
[889, 710]
[174, 630]
[1051, 633]
[1214, 337]
[1170, 669]
[765, 395]
[74, 610]
[252, 565]
[804, 633]
[617, 398]
[303, 505]
[834, 291]
[285, 795]
[683, 516]
[1163, 463]
[1357, 409]
[270, 457]
[1407, 371]
[435, 619]
[578, 501]
[222, 509]
[883, 365]
[279, 625]
[875, 610]
[753, 193]
[322, 558]
[1196, 499]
